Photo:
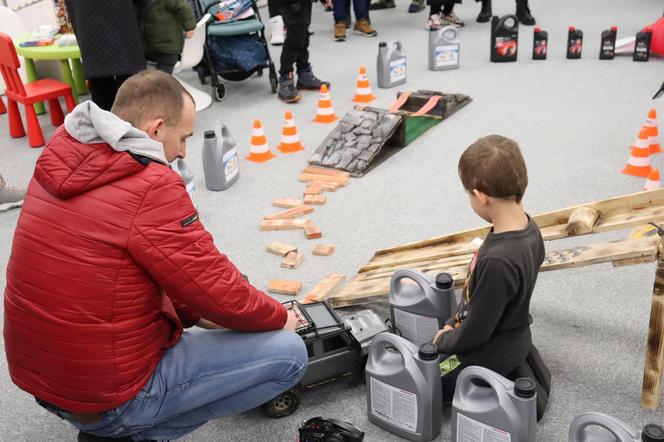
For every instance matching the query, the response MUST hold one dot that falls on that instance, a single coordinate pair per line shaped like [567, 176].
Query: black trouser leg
[449, 382]
[302, 60]
[435, 7]
[165, 62]
[448, 7]
[295, 49]
[273, 8]
[104, 89]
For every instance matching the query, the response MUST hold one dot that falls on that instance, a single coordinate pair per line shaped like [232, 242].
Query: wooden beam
[308, 177]
[328, 187]
[283, 224]
[581, 221]
[284, 287]
[292, 260]
[323, 250]
[314, 200]
[312, 190]
[312, 231]
[291, 213]
[651, 392]
[324, 288]
[286, 203]
[341, 174]
[280, 248]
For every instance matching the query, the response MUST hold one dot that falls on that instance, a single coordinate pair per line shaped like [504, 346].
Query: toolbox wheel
[283, 405]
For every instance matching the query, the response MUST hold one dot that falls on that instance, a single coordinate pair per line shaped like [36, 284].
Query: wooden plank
[280, 248]
[291, 213]
[316, 170]
[283, 224]
[312, 190]
[581, 221]
[633, 261]
[323, 250]
[284, 287]
[292, 260]
[307, 177]
[287, 203]
[312, 231]
[328, 187]
[651, 390]
[314, 200]
[325, 287]
[420, 255]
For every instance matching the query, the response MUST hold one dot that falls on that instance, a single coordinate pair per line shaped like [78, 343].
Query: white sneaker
[276, 31]
[311, 29]
[10, 197]
[434, 23]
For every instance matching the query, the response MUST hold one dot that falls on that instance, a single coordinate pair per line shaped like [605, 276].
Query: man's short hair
[494, 165]
[150, 94]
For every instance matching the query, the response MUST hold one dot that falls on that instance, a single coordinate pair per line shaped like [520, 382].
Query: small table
[70, 64]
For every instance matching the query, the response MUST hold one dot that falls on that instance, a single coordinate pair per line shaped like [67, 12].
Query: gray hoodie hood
[89, 124]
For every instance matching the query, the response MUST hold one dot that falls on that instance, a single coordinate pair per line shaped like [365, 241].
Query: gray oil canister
[494, 409]
[404, 392]
[444, 48]
[220, 160]
[419, 310]
[180, 167]
[619, 430]
[391, 64]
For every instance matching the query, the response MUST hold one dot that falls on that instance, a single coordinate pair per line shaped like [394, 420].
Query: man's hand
[441, 332]
[204, 323]
[291, 321]
[189, 34]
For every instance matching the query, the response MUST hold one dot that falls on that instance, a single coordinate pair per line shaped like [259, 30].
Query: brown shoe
[362, 27]
[340, 31]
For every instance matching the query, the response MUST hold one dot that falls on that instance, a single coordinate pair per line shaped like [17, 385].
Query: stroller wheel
[273, 84]
[259, 72]
[220, 92]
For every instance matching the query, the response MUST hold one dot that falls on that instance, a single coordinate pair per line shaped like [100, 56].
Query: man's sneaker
[434, 23]
[10, 197]
[276, 31]
[307, 81]
[382, 4]
[362, 27]
[287, 91]
[416, 6]
[453, 19]
[486, 13]
[340, 31]
[523, 13]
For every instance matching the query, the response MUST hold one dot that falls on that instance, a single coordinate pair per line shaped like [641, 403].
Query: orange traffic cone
[653, 132]
[639, 161]
[290, 140]
[363, 89]
[259, 151]
[653, 180]
[325, 111]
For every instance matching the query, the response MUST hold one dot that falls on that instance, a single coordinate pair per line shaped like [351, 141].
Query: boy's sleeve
[185, 14]
[497, 283]
[169, 242]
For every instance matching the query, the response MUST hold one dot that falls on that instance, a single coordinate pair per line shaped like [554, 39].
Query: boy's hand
[441, 332]
[291, 321]
[204, 323]
[189, 34]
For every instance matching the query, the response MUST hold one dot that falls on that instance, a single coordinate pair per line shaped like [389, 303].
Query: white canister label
[398, 70]
[447, 55]
[470, 430]
[231, 166]
[418, 329]
[394, 405]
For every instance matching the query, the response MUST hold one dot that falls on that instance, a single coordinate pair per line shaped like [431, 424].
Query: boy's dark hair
[150, 94]
[494, 165]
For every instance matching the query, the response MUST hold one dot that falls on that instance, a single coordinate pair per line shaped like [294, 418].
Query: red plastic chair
[27, 94]
[3, 109]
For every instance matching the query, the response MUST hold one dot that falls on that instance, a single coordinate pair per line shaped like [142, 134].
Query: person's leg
[449, 382]
[273, 8]
[104, 89]
[339, 11]
[209, 375]
[523, 13]
[302, 61]
[362, 25]
[165, 62]
[361, 10]
[486, 11]
[306, 80]
[290, 53]
[448, 14]
[434, 23]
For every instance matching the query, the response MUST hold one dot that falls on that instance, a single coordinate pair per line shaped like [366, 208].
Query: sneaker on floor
[382, 4]
[276, 31]
[307, 81]
[362, 27]
[416, 6]
[340, 31]
[434, 23]
[453, 19]
[10, 197]
[523, 13]
[287, 92]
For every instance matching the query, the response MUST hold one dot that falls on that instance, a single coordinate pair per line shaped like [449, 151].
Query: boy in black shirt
[491, 326]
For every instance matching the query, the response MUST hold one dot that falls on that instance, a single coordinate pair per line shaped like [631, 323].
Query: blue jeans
[207, 375]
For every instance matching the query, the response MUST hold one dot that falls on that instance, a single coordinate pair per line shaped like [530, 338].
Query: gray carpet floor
[574, 120]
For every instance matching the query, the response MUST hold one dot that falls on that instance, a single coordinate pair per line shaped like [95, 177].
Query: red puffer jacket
[100, 238]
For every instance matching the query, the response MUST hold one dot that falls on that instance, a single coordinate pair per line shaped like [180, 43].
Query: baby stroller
[220, 35]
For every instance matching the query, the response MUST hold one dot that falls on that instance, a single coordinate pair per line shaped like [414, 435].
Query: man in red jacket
[109, 262]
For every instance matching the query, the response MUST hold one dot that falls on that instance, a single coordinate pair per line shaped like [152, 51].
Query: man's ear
[482, 197]
[155, 129]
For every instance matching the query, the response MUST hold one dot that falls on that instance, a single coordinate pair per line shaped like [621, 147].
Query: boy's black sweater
[492, 321]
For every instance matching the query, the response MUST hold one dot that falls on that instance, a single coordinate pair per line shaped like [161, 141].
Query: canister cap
[428, 352]
[537, 29]
[614, 28]
[209, 134]
[524, 387]
[444, 281]
[652, 433]
[571, 29]
[382, 44]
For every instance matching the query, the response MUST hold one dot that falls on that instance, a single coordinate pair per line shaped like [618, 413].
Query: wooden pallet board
[280, 248]
[283, 224]
[314, 200]
[294, 212]
[323, 250]
[287, 203]
[292, 260]
[284, 287]
[325, 287]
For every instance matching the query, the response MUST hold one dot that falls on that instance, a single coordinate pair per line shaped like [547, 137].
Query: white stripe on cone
[289, 139]
[652, 185]
[257, 132]
[641, 143]
[259, 149]
[639, 162]
[325, 111]
[363, 91]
